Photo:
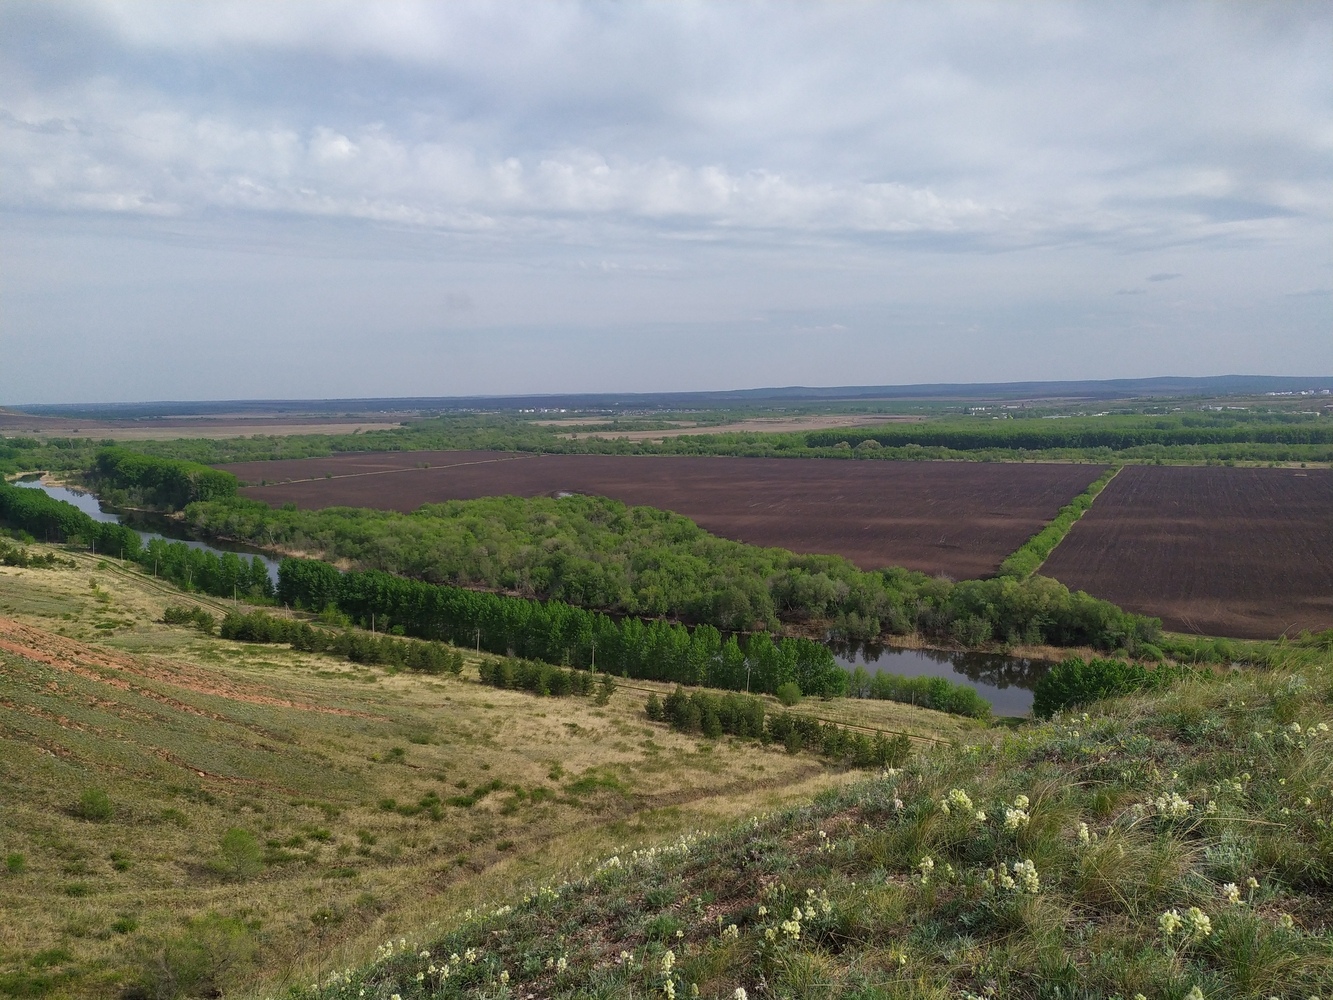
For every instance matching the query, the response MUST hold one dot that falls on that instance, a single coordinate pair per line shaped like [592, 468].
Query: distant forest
[1192, 436]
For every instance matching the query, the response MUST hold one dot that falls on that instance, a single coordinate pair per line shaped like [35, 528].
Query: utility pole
[478, 640]
[594, 656]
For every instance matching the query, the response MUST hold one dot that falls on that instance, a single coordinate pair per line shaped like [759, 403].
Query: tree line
[714, 715]
[1116, 432]
[127, 478]
[553, 632]
[1028, 557]
[1192, 436]
[47, 519]
[560, 633]
[597, 553]
[356, 646]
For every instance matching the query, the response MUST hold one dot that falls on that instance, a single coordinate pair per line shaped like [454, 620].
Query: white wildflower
[1231, 893]
[1197, 924]
[1026, 873]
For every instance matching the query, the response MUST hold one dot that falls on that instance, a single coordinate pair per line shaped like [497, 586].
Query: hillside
[183, 813]
[1179, 846]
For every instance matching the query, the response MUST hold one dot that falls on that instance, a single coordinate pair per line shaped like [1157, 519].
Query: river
[1004, 681]
[166, 529]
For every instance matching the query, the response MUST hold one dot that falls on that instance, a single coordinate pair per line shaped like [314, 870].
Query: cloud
[917, 120]
[907, 167]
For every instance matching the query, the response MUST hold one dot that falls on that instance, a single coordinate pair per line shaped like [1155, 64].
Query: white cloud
[860, 165]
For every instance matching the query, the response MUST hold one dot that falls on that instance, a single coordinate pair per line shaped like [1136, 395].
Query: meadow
[184, 812]
[1176, 845]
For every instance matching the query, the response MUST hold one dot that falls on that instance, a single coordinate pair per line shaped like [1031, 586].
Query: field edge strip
[1032, 554]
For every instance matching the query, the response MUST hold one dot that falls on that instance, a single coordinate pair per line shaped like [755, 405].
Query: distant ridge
[1098, 389]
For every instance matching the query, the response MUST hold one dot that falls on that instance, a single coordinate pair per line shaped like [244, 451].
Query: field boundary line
[1044, 542]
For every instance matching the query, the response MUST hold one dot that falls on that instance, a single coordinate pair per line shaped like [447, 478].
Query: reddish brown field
[957, 518]
[361, 464]
[1236, 552]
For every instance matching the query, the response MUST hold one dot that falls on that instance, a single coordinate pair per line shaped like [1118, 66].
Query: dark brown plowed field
[958, 518]
[360, 464]
[1235, 552]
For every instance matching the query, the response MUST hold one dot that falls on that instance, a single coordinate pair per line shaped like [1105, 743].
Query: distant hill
[1165, 386]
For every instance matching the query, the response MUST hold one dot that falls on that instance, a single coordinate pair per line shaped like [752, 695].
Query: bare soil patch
[768, 425]
[1217, 551]
[957, 518]
[169, 428]
[117, 670]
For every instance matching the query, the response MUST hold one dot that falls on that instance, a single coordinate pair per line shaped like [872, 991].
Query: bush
[606, 687]
[200, 961]
[653, 708]
[94, 805]
[788, 694]
[1074, 682]
[240, 856]
[181, 614]
[937, 693]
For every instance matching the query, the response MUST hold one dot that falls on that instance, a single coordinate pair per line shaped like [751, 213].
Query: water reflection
[146, 526]
[1004, 681]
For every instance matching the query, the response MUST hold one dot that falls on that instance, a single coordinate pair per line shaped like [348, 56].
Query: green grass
[169, 795]
[1173, 845]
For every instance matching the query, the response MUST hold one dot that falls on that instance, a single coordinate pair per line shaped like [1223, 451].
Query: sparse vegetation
[191, 735]
[1176, 843]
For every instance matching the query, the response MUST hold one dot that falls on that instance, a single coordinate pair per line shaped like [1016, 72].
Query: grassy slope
[191, 736]
[1253, 799]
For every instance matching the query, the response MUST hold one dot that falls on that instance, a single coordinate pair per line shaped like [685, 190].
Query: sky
[207, 200]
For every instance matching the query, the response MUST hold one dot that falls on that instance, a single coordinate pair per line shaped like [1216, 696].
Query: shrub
[938, 693]
[94, 805]
[180, 614]
[606, 687]
[240, 856]
[789, 694]
[199, 961]
[1075, 682]
[653, 708]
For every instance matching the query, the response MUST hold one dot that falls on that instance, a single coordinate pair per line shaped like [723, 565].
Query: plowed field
[1236, 552]
[957, 518]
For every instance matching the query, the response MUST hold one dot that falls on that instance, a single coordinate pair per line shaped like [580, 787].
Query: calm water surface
[1004, 681]
[144, 524]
